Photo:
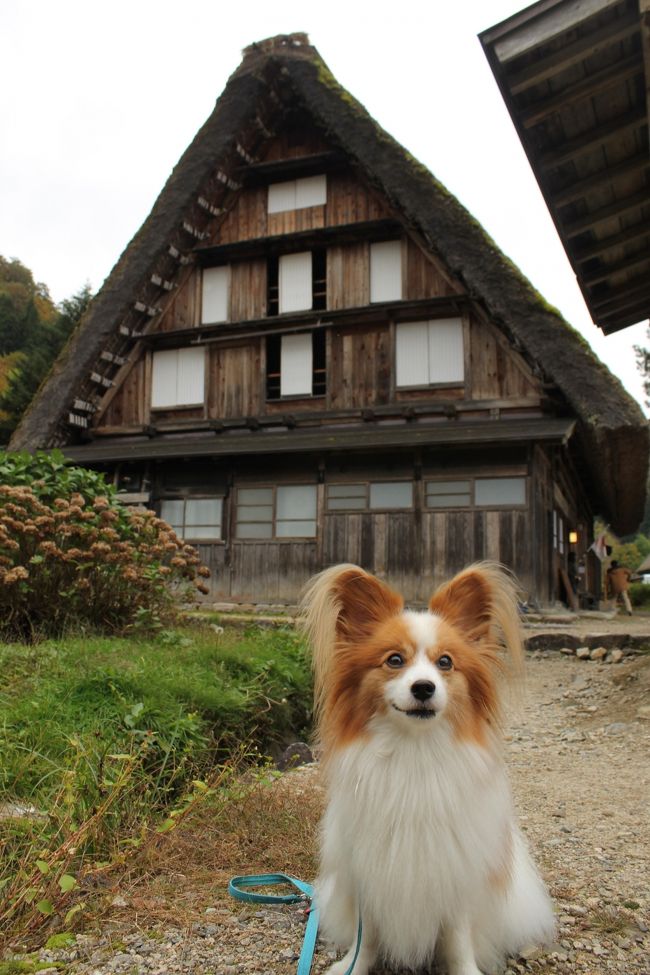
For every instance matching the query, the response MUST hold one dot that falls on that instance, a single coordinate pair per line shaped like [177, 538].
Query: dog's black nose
[422, 690]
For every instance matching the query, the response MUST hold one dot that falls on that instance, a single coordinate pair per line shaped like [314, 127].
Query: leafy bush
[72, 556]
[640, 594]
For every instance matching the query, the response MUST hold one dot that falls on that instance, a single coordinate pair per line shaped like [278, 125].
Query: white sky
[100, 99]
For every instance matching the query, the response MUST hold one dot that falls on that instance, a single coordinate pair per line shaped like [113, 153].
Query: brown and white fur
[419, 835]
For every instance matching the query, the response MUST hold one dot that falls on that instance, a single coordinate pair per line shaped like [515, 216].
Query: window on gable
[427, 353]
[215, 295]
[194, 518]
[295, 365]
[386, 271]
[178, 377]
[285, 511]
[297, 194]
[297, 282]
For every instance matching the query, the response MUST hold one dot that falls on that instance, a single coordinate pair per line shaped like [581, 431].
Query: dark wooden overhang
[355, 438]
[574, 77]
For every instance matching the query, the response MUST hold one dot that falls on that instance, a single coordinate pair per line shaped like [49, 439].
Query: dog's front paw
[342, 966]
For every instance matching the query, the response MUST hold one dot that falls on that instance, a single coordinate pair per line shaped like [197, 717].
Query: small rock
[643, 712]
[294, 755]
[119, 902]
[569, 651]
[598, 653]
[583, 653]
[616, 655]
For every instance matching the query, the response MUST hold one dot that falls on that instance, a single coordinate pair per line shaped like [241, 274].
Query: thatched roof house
[284, 84]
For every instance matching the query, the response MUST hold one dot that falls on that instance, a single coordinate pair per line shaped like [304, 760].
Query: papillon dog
[419, 839]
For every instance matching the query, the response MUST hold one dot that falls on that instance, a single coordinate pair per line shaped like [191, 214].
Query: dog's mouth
[423, 713]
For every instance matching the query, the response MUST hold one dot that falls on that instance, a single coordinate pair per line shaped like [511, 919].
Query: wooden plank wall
[236, 380]
[359, 368]
[348, 201]
[271, 571]
[248, 290]
[497, 371]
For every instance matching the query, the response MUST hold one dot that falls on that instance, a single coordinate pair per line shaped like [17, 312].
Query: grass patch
[117, 740]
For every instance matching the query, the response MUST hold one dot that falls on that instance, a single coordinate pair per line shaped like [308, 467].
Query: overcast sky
[100, 99]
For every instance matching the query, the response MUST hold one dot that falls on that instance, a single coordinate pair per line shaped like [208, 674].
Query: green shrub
[640, 594]
[72, 556]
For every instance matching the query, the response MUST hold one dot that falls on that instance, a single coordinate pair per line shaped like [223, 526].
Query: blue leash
[238, 888]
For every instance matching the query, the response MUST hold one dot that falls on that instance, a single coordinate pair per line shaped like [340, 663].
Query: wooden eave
[575, 79]
[352, 438]
[378, 313]
[371, 230]
[277, 170]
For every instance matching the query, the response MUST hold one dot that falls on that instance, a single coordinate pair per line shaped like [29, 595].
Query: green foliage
[640, 595]
[73, 557]
[38, 340]
[113, 740]
[627, 554]
[643, 365]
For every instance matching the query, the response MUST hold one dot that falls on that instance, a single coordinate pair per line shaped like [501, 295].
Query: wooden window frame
[218, 321]
[472, 505]
[367, 485]
[202, 540]
[274, 537]
[318, 282]
[178, 406]
[291, 186]
[447, 384]
[319, 368]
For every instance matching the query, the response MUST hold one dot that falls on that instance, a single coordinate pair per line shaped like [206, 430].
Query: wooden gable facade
[295, 372]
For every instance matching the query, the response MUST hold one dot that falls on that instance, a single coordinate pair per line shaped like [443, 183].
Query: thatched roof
[612, 433]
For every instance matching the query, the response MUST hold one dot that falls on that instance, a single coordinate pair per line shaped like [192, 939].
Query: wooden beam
[261, 173]
[303, 240]
[585, 47]
[540, 28]
[615, 209]
[590, 86]
[162, 283]
[178, 256]
[619, 297]
[610, 131]
[303, 321]
[193, 231]
[599, 247]
[626, 264]
[579, 188]
[209, 208]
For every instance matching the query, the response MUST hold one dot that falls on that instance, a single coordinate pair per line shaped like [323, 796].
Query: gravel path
[580, 767]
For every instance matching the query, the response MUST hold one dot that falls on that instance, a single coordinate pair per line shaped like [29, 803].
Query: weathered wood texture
[348, 201]
[423, 276]
[235, 382]
[248, 291]
[359, 368]
[182, 308]
[497, 371]
[359, 374]
[271, 571]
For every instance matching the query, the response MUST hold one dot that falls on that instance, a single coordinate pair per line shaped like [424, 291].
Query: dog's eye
[395, 660]
[445, 662]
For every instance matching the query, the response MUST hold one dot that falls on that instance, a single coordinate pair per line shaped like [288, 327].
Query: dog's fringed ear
[342, 605]
[363, 602]
[481, 601]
